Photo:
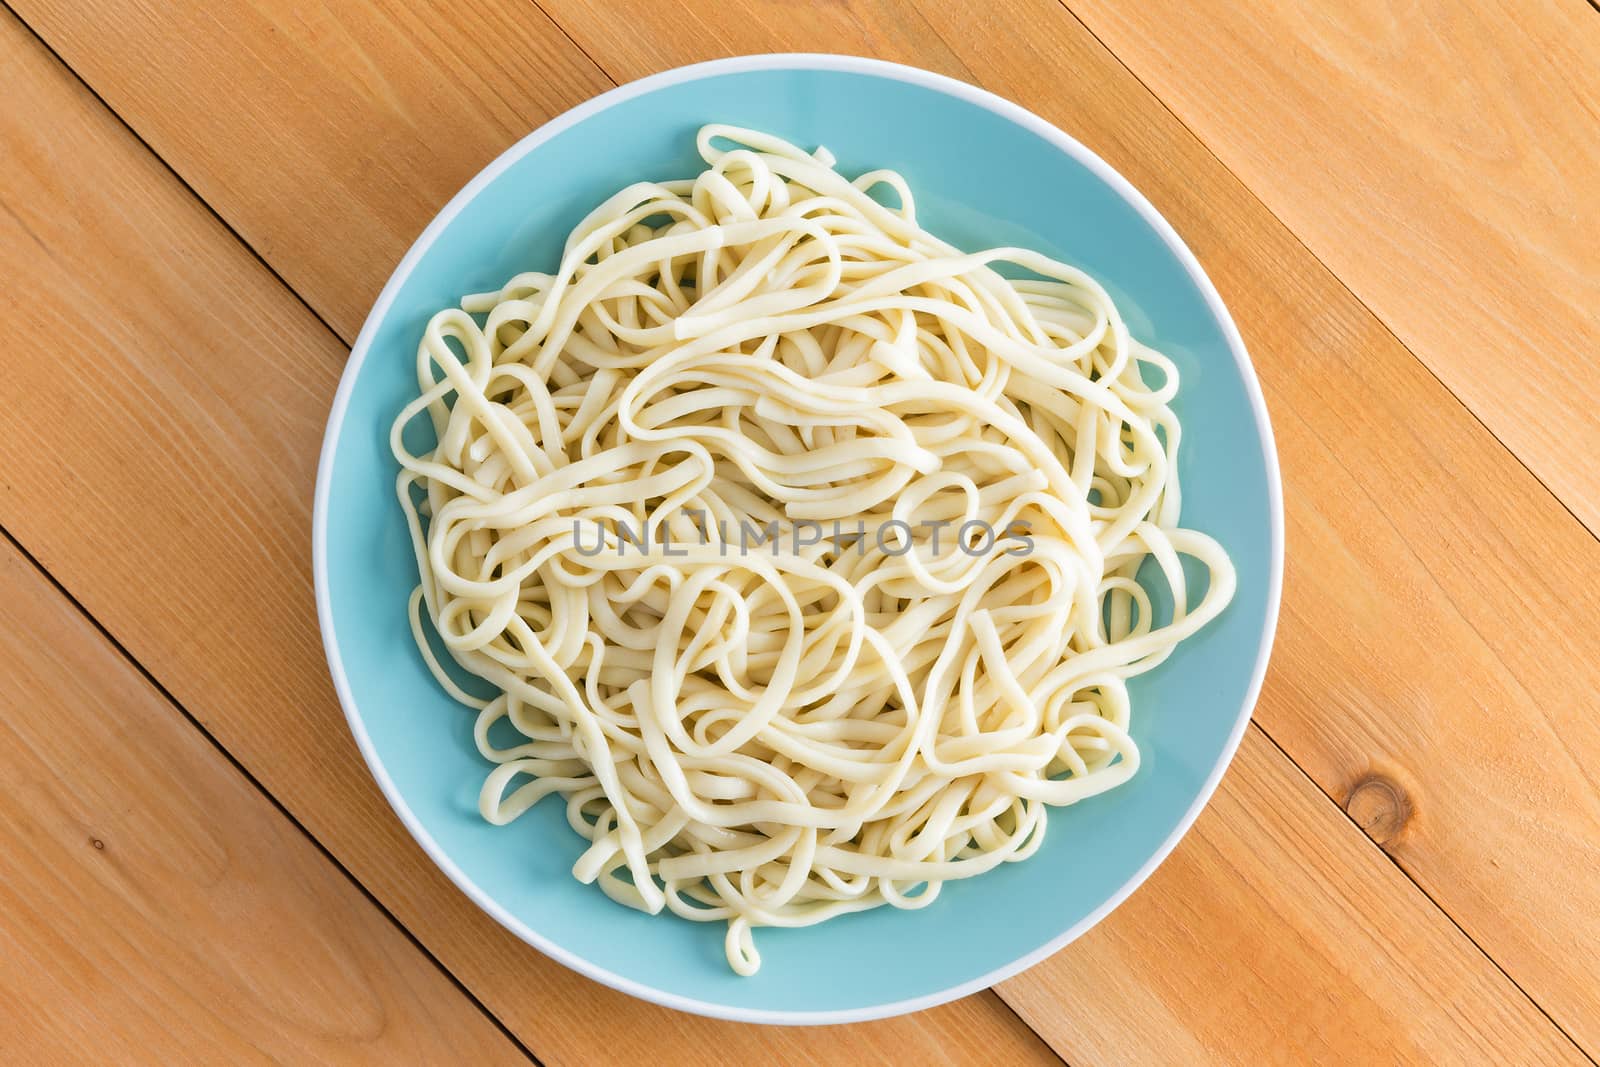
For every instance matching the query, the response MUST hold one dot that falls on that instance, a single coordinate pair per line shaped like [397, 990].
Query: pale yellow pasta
[798, 545]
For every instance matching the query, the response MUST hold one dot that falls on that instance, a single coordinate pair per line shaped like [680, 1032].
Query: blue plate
[985, 172]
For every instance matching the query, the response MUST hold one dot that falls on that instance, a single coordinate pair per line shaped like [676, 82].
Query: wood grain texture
[372, 88]
[1373, 620]
[1442, 158]
[155, 907]
[1254, 985]
[1282, 321]
[163, 471]
[1440, 684]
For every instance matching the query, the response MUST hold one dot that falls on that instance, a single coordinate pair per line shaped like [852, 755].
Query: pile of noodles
[952, 478]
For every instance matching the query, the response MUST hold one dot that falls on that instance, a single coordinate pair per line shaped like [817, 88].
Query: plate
[985, 172]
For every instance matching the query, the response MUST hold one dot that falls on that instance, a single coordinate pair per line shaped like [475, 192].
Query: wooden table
[1399, 202]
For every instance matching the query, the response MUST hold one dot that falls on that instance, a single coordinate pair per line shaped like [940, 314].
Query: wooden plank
[1430, 685]
[1256, 947]
[1245, 243]
[1441, 158]
[376, 93]
[156, 907]
[164, 397]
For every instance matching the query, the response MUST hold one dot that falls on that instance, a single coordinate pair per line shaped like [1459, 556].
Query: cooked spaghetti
[953, 478]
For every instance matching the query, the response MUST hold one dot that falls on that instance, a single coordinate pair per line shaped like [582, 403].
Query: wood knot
[1380, 806]
[97, 843]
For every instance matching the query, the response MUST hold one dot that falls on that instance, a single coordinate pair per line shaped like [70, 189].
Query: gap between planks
[1330, 273]
[244, 772]
[183, 183]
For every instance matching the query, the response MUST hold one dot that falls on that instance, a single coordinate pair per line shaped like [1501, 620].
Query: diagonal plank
[375, 93]
[1254, 987]
[1487, 995]
[163, 472]
[156, 907]
[1442, 158]
[1439, 684]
